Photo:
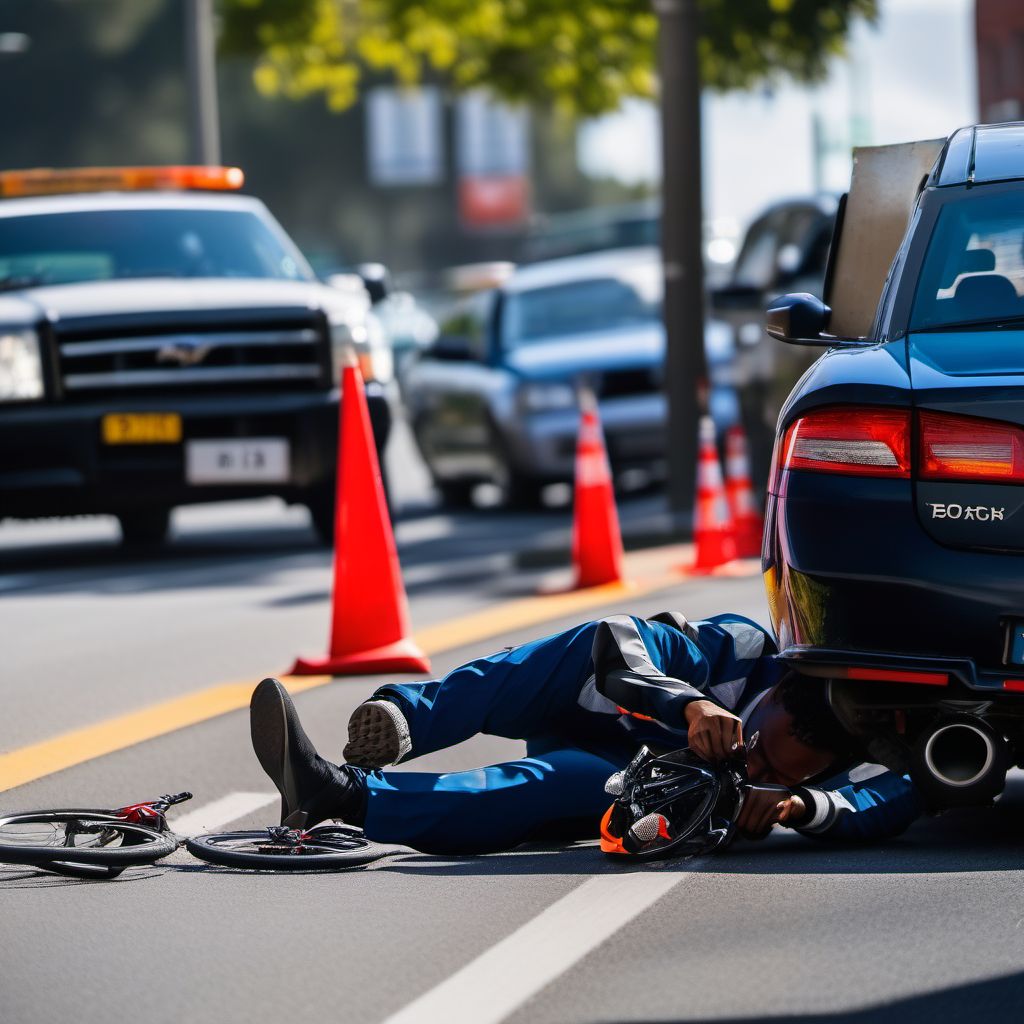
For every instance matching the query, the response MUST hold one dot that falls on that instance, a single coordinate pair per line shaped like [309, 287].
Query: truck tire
[144, 528]
[320, 503]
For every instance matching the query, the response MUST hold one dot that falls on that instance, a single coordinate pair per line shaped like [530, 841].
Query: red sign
[494, 201]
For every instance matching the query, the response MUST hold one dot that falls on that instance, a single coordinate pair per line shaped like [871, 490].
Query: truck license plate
[141, 428]
[255, 460]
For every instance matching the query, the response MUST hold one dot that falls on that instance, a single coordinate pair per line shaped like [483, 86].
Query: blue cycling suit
[566, 695]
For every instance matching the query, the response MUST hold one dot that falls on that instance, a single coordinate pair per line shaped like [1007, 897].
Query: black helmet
[671, 805]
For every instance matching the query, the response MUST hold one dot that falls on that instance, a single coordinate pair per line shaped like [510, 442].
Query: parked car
[895, 522]
[495, 397]
[163, 342]
[784, 249]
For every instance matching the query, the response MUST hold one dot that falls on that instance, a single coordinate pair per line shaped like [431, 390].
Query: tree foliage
[582, 57]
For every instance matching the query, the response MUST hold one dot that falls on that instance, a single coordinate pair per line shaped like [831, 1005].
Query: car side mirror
[376, 279]
[455, 348]
[801, 319]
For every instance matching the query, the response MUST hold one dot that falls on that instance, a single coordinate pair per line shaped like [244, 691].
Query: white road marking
[501, 979]
[221, 812]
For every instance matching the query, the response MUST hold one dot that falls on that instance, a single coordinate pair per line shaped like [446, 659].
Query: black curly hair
[814, 722]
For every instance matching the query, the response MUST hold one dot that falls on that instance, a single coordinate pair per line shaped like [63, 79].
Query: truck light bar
[44, 181]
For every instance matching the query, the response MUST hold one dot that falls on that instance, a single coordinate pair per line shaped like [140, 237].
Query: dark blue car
[894, 543]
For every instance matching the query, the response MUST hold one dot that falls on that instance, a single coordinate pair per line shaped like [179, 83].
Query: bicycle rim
[67, 841]
[322, 848]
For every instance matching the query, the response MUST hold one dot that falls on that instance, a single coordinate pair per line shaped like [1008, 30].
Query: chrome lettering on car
[951, 510]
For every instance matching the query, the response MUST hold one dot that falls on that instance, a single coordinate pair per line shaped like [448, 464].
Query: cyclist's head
[793, 735]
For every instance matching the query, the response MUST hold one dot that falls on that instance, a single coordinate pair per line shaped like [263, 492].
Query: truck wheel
[144, 527]
[321, 510]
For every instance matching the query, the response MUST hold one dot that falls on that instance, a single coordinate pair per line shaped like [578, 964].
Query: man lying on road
[584, 700]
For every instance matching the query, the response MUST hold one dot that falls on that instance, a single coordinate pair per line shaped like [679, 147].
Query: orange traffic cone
[747, 520]
[712, 526]
[369, 610]
[596, 538]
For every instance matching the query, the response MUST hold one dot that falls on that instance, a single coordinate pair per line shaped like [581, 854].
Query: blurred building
[1000, 42]
[416, 180]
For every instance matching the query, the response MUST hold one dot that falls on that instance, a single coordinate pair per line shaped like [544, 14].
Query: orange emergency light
[46, 181]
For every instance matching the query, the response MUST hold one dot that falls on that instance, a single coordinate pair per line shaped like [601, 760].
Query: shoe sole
[375, 737]
[268, 725]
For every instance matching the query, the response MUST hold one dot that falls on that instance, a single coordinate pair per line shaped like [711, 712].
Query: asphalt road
[928, 927]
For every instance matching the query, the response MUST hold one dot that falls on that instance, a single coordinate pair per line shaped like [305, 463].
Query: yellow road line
[71, 748]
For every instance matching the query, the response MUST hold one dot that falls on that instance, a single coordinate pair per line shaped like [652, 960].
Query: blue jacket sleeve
[653, 669]
[866, 804]
[630, 659]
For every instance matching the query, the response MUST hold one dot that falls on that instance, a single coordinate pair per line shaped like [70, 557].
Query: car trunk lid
[968, 390]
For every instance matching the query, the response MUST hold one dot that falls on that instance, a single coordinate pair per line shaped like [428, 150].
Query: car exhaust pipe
[960, 760]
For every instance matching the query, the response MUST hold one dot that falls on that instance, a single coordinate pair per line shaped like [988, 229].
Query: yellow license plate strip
[142, 428]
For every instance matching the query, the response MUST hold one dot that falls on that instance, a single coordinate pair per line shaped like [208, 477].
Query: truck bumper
[53, 460]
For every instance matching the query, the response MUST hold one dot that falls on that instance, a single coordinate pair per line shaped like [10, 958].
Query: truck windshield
[578, 308]
[973, 272]
[100, 245]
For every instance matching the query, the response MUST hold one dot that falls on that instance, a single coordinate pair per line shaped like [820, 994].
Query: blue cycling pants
[557, 790]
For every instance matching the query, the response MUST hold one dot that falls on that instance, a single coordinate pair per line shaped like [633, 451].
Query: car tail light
[860, 440]
[966, 448]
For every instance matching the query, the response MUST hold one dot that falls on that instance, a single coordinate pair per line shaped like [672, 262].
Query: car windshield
[627, 299]
[973, 271]
[102, 245]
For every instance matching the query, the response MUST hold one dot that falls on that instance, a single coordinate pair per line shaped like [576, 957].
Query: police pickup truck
[163, 342]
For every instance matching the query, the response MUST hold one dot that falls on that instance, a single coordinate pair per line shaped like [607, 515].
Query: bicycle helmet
[671, 805]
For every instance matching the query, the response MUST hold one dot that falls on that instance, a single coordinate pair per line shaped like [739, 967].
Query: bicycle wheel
[81, 843]
[278, 848]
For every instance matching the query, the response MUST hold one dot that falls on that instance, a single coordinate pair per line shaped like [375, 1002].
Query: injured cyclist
[584, 701]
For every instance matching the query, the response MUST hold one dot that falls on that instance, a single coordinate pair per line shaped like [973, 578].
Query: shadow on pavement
[995, 999]
[959, 842]
[262, 540]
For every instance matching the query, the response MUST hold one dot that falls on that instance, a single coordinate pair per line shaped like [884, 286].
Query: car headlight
[21, 365]
[548, 396]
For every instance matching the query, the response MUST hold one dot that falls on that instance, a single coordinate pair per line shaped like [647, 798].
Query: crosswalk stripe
[220, 812]
[504, 977]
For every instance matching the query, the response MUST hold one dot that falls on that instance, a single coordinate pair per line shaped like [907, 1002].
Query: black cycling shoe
[312, 789]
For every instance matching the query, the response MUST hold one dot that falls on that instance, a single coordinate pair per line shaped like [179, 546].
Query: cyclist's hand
[712, 732]
[765, 805]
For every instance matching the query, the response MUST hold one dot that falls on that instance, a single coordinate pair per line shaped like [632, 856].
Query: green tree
[584, 57]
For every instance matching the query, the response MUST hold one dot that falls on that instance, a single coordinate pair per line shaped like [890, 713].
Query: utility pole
[681, 248]
[201, 68]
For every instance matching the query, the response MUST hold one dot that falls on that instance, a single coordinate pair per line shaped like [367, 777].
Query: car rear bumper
[53, 460]
[849, 568]
[939, 676]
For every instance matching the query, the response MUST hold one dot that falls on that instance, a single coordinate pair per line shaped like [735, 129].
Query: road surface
[927, 927]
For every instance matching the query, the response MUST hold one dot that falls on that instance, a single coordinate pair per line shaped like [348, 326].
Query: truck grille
[293, 352]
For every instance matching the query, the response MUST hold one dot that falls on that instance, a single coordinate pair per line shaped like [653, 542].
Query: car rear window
[583, 307]
[974, 267]
[97, 245]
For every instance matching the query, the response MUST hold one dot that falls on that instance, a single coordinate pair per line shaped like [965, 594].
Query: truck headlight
[367, 343]
[21, 365]
[548, 396]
